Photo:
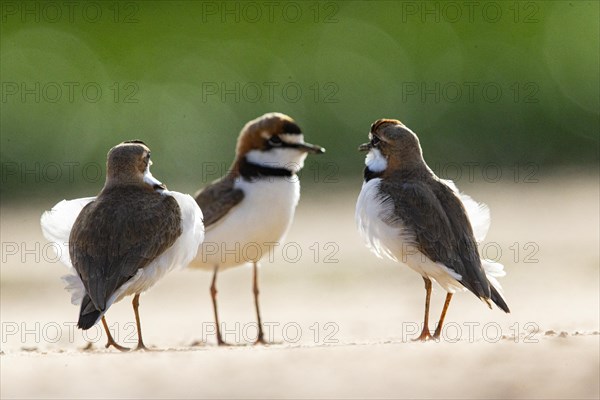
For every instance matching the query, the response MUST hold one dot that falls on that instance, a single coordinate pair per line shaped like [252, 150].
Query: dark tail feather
[498, 300]
[88, 315]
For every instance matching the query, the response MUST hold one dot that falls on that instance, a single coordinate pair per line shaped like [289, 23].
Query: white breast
[252, 227]
[369, 213]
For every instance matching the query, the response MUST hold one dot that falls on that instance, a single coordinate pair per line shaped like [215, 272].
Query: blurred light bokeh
[511, 83]
[504, 96]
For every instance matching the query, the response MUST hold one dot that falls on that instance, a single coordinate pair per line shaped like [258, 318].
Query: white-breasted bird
[405, 212]
[249, 210]
[124, 240]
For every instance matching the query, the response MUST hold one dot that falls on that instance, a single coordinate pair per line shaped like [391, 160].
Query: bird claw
[116, 346]
[425, 336]
[142, 346]
[263, 341]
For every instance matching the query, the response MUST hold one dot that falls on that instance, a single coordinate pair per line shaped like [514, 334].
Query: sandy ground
[342, 318]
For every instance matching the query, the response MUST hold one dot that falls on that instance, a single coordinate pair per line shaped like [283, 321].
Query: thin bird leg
[260, 338]
[111, 341]
[213, 295]
[438, 330]
[136, 305]
[425, 335]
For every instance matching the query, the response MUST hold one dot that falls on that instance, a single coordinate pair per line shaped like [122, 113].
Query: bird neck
[113, 182]
[250, 170]
[369, 174]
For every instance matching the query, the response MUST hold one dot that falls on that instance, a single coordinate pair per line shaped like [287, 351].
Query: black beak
[313, 148]
[364, 147]
[307, 147]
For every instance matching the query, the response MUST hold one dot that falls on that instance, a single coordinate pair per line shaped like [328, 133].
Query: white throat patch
[375, 161]
[288, 158]
[150, 180]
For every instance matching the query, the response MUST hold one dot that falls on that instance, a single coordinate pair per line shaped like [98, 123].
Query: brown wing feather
[217, 199]
[123, 230]
[441, 228]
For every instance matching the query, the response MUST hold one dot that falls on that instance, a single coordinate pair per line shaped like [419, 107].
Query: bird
[250, 209]
[408, 214]
[125, 239]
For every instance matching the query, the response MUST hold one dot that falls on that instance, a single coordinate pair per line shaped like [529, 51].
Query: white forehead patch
[375, 161]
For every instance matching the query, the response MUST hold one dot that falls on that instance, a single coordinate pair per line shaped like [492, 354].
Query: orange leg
[438, 330]
[213, 295]
[261, 337]
[425, 335]
[111, 341]
[136, 304]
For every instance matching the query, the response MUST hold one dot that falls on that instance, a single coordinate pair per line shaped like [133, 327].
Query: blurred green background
[508, 83]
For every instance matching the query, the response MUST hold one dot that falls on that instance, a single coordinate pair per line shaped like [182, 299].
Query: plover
[249, 210]
[405, 212]
[124, 240]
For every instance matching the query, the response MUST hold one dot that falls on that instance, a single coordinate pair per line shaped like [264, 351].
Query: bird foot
[142, 346]
[425, 336]
[116, 346]
[261, 340]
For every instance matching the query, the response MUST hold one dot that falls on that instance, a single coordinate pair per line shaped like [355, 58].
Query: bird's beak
[310, 148]
[364, 147]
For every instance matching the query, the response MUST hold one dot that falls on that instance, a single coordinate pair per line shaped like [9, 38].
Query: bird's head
[128, 163]
[391, 145]
[275, 140]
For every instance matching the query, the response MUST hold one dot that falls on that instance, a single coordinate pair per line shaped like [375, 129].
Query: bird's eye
[275, 141]
[375, 141]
